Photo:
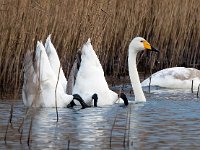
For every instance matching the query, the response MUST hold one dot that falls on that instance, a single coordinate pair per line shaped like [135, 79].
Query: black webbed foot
[95, 98]
[81, 101]
[71, 104]
[123, 96]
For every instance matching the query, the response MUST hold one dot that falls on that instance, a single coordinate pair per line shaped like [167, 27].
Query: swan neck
[134, 77]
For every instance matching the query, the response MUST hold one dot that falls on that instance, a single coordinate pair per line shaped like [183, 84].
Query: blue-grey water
[168, 120]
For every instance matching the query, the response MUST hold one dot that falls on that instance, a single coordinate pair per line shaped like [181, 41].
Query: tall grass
[173, 26]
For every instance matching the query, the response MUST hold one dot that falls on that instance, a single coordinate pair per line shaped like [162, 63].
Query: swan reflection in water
[81, 128]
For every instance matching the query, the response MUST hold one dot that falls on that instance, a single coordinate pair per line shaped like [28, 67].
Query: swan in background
[136, 45]
[90, 82]
[40, 82]
[176, 77]
[55, 62]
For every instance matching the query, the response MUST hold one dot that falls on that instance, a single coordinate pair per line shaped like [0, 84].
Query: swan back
[176, 77]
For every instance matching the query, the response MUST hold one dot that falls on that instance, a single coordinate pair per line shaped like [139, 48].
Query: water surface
[168, 120]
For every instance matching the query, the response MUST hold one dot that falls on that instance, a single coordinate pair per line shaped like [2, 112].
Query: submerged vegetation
[171, 25]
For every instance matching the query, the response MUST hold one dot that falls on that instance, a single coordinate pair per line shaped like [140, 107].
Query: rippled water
[168, 120]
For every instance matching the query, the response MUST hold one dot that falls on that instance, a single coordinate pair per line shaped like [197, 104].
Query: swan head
[140, 44]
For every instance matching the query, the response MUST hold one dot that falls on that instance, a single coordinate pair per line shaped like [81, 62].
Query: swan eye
[141, 41]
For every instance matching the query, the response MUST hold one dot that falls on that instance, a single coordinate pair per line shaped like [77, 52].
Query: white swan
[176, 77]
[39, 89]
[136, 45]
[55, 62]
[90, 79]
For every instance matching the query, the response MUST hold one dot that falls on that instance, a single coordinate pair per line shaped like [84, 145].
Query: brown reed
[29, 133]
[173, 26]
[9, 123]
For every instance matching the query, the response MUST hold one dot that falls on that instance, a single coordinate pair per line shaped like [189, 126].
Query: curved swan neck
[133, 73]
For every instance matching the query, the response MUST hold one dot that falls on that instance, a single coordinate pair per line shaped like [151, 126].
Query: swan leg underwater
[90, 77]
[40, 87]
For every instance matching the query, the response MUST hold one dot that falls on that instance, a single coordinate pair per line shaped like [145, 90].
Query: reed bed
[173, 26]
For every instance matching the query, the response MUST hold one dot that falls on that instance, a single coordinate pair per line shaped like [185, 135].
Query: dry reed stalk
[5, 136]
[127, 118]
[171, 25]
[56, 93]
[68, 144]
[21, 134]
[198, 91]
[22, 123]
[11, 114]
[129, 124]
[150, 83]
[192, 86]
[29, 133]
[9, 122]
[112, 130]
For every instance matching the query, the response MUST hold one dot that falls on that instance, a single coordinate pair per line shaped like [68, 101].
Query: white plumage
[90, 79]
[41, 76]
[40, 82]
[55, 62]
[137, 44]
[176, 77]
